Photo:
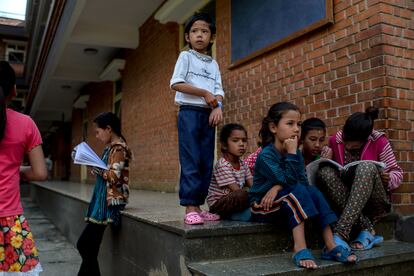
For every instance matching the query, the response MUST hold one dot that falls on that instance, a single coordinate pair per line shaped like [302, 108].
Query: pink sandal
[207, 216]
[193, 218]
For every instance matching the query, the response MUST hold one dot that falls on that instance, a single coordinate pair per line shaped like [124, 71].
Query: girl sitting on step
[361, 194]
[281, 193]
[226, 195]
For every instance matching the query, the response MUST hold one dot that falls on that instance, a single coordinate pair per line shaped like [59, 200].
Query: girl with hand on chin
[281, 193]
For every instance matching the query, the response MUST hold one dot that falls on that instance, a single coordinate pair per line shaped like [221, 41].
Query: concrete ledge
[153, 237]
[136, 248]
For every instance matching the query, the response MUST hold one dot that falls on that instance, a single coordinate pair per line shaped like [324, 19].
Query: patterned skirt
[98, 211]
[18, 253]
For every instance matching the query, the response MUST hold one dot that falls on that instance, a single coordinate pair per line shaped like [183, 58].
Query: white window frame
[12, 47]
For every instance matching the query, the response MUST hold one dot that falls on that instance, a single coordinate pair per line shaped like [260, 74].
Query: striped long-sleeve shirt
[224, 174]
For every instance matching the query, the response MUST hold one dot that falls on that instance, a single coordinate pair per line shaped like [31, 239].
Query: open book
[82, 154]
[313, 167]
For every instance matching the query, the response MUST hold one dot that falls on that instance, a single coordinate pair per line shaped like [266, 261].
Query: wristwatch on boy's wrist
[219, 104]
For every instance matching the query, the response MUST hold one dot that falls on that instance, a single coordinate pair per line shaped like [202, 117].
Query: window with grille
[15, 53]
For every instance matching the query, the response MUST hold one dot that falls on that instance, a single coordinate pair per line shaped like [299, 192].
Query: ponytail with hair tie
[265, 135]
[372, 112]
[359, 126]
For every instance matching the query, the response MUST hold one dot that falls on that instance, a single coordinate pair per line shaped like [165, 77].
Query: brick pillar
[397, 18]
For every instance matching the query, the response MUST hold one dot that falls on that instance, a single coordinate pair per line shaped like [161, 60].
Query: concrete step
[231, 239]
[391, 258]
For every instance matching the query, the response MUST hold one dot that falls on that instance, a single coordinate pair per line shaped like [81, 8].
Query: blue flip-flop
[339, 241]
[339, 254]
[367, 240]
[302, 255]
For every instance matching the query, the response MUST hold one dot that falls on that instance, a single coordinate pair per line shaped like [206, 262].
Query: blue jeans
[196, 150]
[296, 204]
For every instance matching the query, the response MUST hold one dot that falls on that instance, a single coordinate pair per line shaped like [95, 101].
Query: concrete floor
[146, 205]
[57, 255]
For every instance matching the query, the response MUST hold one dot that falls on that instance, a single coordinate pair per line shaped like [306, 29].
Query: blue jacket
[272, 168]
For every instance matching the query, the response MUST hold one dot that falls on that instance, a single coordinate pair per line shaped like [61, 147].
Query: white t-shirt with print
[199, 70]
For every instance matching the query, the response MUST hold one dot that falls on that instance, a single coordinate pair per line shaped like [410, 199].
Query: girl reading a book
[361, 194]
[110, 194]
[281, 193]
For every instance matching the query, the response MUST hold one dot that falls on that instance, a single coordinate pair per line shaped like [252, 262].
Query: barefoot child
[281, 193]
[199, 93]
[226, 195]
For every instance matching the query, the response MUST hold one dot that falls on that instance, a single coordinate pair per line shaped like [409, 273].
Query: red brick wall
[148, 110]
[398, 53]
[100, 100]
[58, 145]
[61, 152]
[76, 139]
[364, 58]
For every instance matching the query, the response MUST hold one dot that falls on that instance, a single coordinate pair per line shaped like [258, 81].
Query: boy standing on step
[199, 93]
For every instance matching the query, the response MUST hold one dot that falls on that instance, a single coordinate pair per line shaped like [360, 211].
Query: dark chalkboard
[258, 26]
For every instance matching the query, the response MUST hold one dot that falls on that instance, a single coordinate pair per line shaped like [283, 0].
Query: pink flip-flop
[193, 218]
[207, 216]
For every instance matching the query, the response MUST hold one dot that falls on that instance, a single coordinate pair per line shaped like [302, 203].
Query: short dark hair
[311, 124]
[204, 17]
[226, 132]
[359, 125]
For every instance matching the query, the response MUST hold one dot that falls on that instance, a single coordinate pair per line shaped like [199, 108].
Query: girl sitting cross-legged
[361, 195]
[281, 193]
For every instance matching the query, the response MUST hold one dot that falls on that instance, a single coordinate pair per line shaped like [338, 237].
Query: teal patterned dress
[98, 211]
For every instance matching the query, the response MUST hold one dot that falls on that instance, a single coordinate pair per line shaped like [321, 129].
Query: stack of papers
[82, 154]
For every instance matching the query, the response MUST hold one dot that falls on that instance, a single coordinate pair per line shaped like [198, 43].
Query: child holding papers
[111, 192]
[360, 194]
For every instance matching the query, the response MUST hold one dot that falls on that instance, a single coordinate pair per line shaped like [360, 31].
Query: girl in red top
[19, 136]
